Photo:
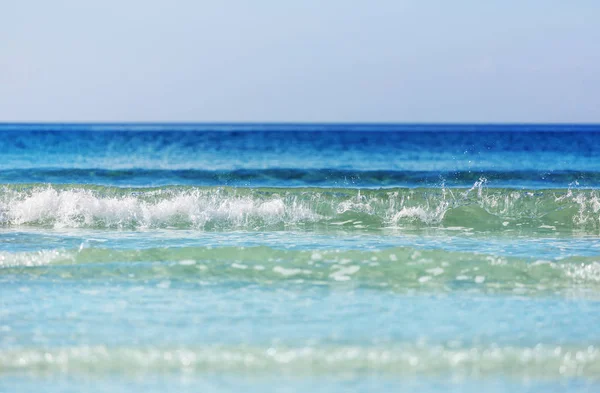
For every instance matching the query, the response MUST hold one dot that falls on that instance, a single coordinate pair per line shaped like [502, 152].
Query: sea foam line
[547, 361]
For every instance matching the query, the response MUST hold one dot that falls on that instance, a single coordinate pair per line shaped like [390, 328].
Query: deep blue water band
[302, 155]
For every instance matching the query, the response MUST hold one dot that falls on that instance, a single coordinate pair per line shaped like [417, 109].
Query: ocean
[299, 257]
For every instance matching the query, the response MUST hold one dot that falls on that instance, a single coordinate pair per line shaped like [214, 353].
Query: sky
[300, 61]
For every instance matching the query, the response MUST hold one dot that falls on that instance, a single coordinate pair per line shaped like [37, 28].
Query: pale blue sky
[307, 61]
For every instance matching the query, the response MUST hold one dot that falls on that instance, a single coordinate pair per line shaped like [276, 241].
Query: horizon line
[291, 123]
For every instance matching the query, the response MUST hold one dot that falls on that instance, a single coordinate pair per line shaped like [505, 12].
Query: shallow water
[282, 257]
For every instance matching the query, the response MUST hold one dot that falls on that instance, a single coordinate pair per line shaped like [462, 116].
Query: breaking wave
[226, 208]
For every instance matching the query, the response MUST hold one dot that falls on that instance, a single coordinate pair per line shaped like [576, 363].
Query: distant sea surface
[282, 257]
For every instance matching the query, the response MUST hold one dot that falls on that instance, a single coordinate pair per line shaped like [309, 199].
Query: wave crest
[223, 208]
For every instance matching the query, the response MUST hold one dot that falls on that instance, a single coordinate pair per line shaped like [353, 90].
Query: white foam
[223, 208]
[29, 259]
[83, 208]
[422, 214]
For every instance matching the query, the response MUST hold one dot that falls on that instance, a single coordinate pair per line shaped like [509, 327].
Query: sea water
[299, 258]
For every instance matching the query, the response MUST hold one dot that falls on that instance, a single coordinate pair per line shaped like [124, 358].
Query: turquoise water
[294, 258]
